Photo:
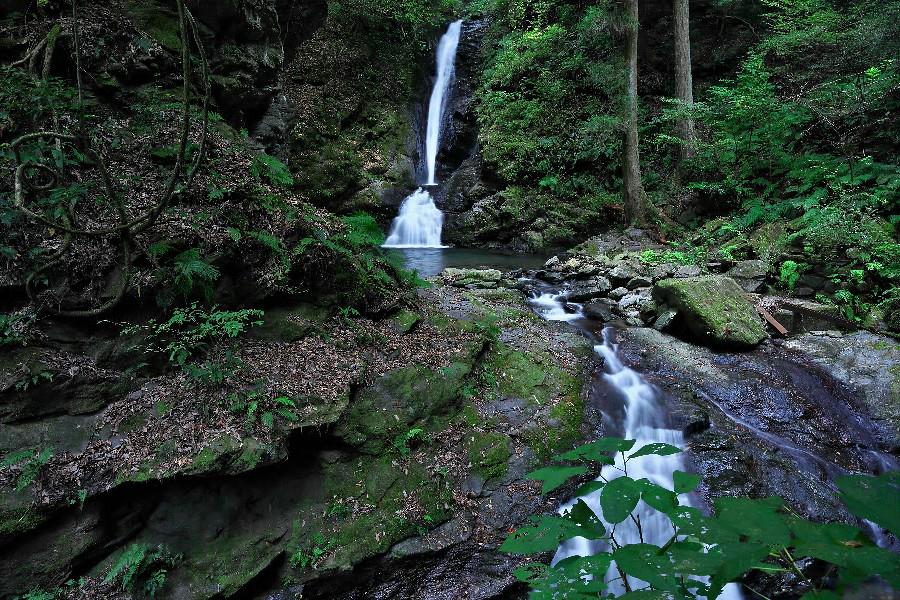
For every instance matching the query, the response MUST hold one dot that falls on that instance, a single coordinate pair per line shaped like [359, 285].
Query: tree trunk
[631, 164]
[684, 81]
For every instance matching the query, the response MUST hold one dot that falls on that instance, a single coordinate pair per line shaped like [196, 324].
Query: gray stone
[665, 319]
[588, 290]
[621, 274]
[619, 292]
[749, 274]
[663, 271]
[688, 271]
[638, 282]
[600, 310]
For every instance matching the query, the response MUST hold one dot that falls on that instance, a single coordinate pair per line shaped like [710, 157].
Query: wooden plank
[772, 320]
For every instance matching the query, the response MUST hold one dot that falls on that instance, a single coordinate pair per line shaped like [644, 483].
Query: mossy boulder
[489, 454]
[398, 400]
[714, 309]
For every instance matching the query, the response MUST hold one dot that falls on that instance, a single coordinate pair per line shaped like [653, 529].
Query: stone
[588, 290]
[749, 274]
[665, 319]
[687, 271]
[573, 264]
[600, 310]
[715, 310]
[663, 271]
[552, 262]
[619, 292]
[638, 282]
[472, 278]
[587, 270]
[621, 274]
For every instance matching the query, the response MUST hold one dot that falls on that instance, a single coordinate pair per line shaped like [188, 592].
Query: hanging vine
[32, 175]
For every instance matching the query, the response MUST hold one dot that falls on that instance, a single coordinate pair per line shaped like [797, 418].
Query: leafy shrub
[190, 331]
[256, 405]
[309, 556]
[142, 568]
[704, 553]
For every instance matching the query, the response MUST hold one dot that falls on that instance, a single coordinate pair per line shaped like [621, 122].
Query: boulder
[749, 274]
[600, 310]
[714, 308]
[472, 278]
[588, 290]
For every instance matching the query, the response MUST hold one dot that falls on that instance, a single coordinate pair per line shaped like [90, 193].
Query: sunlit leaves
[685, 482]
[596, 451]
[545, 533]
[658, 449]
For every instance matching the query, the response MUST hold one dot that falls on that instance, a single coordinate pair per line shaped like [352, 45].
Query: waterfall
[419, 223]
[446, 56]
[644, 422]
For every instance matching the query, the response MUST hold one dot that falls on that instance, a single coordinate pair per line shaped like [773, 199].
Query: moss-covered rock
[714, 309]
[399, 399]
[489, 454]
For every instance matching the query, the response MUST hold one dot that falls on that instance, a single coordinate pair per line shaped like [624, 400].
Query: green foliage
[404, 441]
[790, 274]
[309, 556]
[549, 109]
[190, 331]
[271, 169]
[30, 463]
[142, 568]
[258, 406]
[192, 271]
[704, 553]
[13, 327]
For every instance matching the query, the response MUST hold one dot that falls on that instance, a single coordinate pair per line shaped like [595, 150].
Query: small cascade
[419, 223]
[550, 307]
[645, 423]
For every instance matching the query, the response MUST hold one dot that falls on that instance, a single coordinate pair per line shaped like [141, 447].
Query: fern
[269, 167]
[140, 566]
[190, 270]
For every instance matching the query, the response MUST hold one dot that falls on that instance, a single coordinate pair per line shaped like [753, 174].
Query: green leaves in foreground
[545, 533]
[703, 553]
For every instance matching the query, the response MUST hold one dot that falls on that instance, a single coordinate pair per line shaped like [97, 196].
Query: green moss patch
[489, 454]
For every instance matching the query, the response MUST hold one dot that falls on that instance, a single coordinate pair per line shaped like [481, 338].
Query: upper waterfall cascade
[419, 223]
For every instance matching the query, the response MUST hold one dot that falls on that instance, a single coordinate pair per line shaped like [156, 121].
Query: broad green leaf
[873, 498]
[756, 520]
[657, 448]
[590, 487]
[575, 575]
[589, 524]
[736, 559]
[658, 497]
[647, 595]
[685, 482]
[646, 562]
[618, 499]
[545, 533]
[553, 477]
[597, 451]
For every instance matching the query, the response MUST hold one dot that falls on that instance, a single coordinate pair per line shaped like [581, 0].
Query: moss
[133, 422]
[412, 395]
[714, 308]
[160, 23]
[489, 454]
[405, 320]
[399, 501]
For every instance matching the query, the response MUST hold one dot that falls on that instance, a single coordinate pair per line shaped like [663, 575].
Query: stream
[634, 408]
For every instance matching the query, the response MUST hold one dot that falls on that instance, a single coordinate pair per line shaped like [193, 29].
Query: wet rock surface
[768, 422]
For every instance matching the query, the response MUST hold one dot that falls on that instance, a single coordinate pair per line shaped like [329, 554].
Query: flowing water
[420, 221]
[645, 422]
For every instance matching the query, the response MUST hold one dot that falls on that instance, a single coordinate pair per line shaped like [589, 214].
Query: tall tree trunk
[684, 80]
[631, 164]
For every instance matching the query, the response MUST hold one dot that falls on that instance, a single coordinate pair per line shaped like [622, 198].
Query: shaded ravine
[637, 408]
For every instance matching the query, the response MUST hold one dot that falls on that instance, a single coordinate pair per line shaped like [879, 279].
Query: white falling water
[420, 221]
[550, 307]
[644, 423]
